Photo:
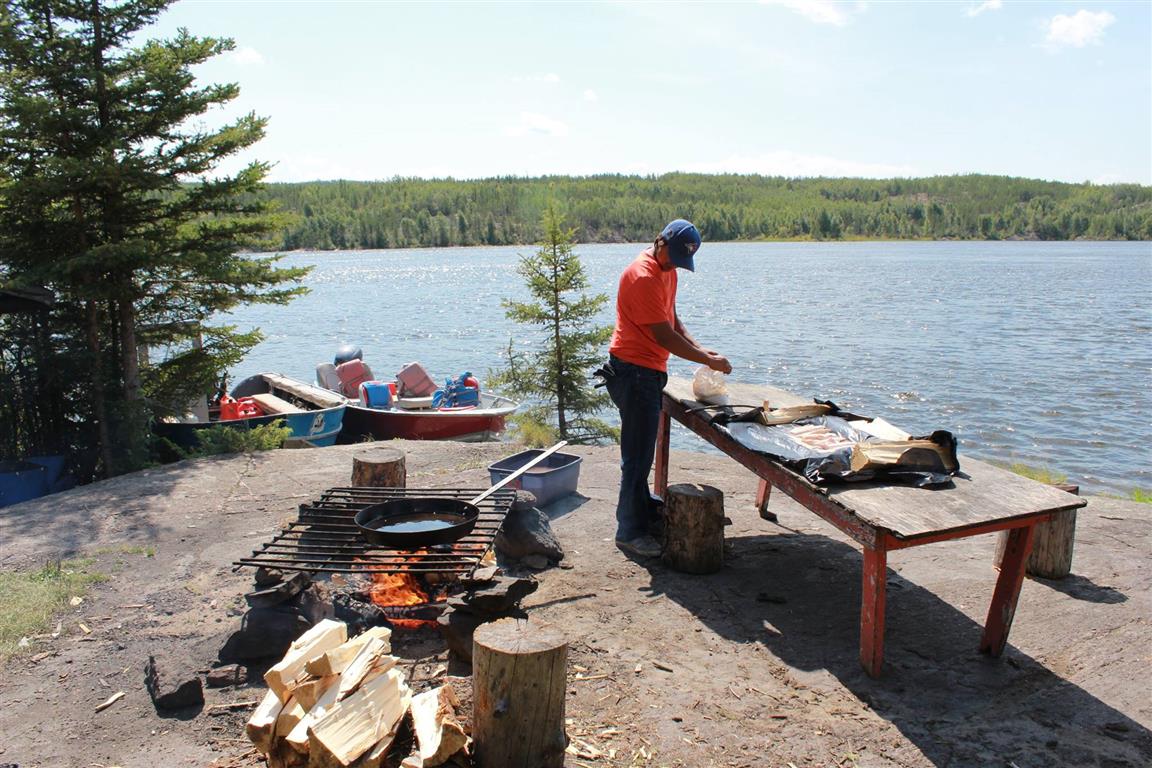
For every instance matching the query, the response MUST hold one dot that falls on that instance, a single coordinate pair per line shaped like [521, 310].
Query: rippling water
[1033, 352]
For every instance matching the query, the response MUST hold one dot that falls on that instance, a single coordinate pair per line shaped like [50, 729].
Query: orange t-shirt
[647, 295]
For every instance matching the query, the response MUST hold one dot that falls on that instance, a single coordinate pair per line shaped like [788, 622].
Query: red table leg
[763, 493]
[660, 481]
[1003, 607]
[872, 610]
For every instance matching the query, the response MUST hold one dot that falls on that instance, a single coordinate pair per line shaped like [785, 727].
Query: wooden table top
[981, 494]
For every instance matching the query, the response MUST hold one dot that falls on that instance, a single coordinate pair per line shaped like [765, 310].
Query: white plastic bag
[708, 386]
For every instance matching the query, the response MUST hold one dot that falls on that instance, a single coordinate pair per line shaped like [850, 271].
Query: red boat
[416, 419]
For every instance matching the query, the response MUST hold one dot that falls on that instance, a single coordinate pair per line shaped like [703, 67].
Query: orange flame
[392, 589]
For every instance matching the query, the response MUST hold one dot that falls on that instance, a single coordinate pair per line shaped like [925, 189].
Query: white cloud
[535, 124]
[590, 95]
[987, 5]
[1080, 29]
[547, 77]
[792, 164]
[248, 56]
[822, 11]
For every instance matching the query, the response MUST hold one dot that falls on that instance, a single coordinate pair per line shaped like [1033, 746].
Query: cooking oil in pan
[420, 523]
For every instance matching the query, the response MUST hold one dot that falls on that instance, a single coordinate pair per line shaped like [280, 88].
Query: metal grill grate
[325, 538]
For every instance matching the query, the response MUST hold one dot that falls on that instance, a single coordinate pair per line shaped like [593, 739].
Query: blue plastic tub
[552, 479]
[21, 481]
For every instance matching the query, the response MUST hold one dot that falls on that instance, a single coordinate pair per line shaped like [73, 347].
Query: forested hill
[414, 212]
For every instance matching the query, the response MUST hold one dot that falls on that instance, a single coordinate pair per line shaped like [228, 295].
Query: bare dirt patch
[752, 666]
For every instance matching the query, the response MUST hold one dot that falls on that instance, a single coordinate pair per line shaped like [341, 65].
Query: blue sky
[372, 90]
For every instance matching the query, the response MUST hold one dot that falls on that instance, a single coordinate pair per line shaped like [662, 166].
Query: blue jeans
[636, 391]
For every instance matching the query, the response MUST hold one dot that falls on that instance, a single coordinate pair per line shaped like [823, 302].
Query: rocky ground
[752, 666]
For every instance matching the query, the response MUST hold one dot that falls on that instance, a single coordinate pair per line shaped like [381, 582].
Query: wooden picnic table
[883, 517]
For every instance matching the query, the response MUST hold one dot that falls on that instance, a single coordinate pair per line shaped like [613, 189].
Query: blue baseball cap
[683, 241]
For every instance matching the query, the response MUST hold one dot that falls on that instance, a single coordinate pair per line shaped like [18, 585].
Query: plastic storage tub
[551, 479]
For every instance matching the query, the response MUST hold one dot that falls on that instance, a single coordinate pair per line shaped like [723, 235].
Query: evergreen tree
[553, 379]
[108, 195]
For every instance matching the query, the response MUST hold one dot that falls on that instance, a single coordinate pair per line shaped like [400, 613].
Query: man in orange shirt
[647, 331]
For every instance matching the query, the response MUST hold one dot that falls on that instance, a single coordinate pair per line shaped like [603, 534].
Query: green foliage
[221, 439]
[1142, 495]
[1039, 474]
[404, 213]
[109, 197]
[29, 600]
[553, 377]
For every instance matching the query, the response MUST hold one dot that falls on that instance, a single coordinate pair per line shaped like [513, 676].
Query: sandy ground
[752, 666]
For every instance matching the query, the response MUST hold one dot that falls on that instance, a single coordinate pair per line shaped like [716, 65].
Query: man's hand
[717, 362]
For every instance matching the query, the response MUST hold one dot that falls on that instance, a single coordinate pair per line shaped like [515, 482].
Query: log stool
[379, 468]
[694, 528]
[1051, 556]
[519, 678]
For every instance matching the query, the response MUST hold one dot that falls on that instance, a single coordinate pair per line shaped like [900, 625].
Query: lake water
[1038, 353]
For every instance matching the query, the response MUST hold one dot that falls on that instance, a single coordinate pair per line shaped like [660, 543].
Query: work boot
[642, 546]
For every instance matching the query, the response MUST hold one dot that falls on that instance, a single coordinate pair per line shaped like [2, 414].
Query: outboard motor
[346, 353]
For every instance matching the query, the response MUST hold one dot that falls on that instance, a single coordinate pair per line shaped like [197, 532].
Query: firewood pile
[335, 702]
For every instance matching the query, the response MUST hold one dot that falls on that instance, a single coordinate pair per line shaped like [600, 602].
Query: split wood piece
[290, 717]
[325, 636]
[693, 528]
[438, 732]
[335, 661]
[380, 468]
[360, 723]
[312, 689]
[519, 681]
[261, 726]
[373, 653]
[298, 738]
[1052, 543]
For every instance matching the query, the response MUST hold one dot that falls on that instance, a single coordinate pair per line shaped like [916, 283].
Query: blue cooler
[375, 394]
[551, 479]
[21, 481]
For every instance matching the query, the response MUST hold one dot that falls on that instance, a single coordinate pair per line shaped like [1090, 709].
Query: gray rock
[496, 598]
[171, 686]
[528, 532]
[536, 562]
[524, 500]
[227, 675]
[266, 577]
[264, 632]
[279, 592]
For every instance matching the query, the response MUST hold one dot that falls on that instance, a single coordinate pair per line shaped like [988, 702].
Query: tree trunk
[129, 355]
[99, 404]
[380, 468]
[519, 683]
[694, 528]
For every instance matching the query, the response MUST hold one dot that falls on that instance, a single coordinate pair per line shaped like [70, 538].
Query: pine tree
[553, 378]
[109, 196]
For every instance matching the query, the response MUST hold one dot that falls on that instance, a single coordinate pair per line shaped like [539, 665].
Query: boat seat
[322, 398]
[275, 405]
[414, 403]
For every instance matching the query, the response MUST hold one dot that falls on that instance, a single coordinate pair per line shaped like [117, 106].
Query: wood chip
[664, 667]
[110, 701]
[235, 705]
[84, 628]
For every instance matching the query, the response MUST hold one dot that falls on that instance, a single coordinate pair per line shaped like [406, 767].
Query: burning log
[322, 637]
[519, 684]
